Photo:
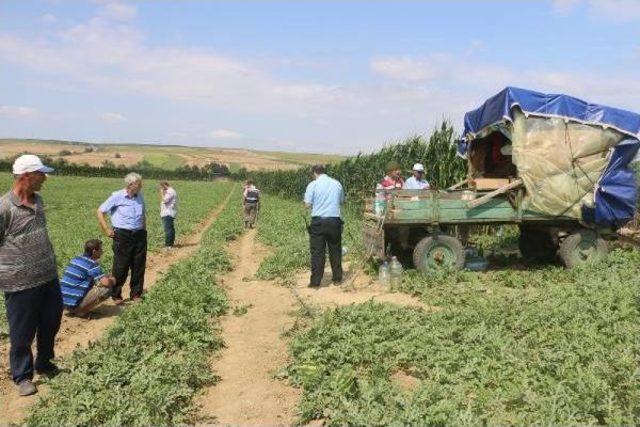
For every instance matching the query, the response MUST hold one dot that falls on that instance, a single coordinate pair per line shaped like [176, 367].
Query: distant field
[167, 157]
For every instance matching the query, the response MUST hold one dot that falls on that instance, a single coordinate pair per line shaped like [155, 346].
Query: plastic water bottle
[380, 201]
[395, 272]
[345, 251]
[384, 277]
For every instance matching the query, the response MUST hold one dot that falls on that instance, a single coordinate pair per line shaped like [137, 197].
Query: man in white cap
[417, 181]
[28, 275]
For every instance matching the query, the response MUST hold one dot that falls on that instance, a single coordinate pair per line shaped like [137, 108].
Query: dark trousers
[32, 313]
[129, 252]
[325, 233]
[169, 230]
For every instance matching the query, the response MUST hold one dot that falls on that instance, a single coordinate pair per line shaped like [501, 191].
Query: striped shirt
[78, 278]
[27, 259]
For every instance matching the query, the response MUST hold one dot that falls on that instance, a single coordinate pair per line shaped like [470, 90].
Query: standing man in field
[324, 196]
[251, 203]
[28, 275]
[168, 211]
[127, 210]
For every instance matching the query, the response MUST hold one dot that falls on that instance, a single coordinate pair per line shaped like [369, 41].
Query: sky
[310, 76]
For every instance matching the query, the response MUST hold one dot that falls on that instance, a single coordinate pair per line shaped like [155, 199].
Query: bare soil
[77, 333]
[255, 349]
[254, 330]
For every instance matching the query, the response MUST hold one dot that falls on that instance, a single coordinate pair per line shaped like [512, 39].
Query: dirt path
[76, 332]
[261, 311]
[255, 348]
[356, 288]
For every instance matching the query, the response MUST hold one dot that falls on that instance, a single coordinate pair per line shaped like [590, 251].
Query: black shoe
[312, 286]
[48, 370]
[337, 282]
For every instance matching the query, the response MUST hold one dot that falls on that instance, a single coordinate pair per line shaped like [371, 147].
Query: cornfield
[359, 174]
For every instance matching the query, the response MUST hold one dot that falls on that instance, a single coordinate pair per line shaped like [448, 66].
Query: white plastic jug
[384, 276]
[395, 272]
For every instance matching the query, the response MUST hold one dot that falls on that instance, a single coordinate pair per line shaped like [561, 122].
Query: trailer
[556, 166]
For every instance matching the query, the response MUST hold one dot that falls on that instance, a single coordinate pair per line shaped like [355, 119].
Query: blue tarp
[499, 108]
[616, 193]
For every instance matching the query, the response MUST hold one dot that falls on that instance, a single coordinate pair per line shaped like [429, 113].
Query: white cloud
[48, 18]
[225, 134]
[18, 111]
[616, 11]
[565, 6]
[111, 117]
[119, 11]
[407, 68]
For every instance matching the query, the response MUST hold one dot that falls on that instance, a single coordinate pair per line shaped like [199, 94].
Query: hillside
[165, 156]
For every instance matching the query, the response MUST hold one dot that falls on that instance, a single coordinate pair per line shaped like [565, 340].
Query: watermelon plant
[543, 346]
[150, 364]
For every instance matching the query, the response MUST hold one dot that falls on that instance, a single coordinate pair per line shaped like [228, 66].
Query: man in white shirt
[168, 210]
[417, 181]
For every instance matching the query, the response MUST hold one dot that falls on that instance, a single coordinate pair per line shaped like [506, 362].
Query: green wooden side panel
[444, 210]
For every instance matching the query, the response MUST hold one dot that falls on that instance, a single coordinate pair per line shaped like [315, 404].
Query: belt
[124, 230]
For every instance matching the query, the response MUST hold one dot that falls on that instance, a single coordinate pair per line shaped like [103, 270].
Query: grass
[153, 361]
[71, 202]
[166, 161]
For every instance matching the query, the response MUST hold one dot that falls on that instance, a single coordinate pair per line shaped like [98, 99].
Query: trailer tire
[582, 247]
[537, 245]
[438, 251]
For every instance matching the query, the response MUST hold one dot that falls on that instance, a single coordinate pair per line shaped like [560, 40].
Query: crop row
[545, 346]
[71, 202]
[359, 174]
[148, 367]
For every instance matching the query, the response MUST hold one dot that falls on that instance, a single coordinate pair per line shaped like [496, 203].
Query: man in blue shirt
[84, 285]
[324, 196]
[127, 211]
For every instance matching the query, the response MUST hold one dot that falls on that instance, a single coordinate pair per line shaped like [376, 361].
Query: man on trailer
[417, 181]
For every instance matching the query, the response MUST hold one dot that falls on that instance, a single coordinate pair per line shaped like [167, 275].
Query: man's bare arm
[108, 231]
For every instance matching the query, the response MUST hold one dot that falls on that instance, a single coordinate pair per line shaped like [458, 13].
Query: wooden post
[484, 199]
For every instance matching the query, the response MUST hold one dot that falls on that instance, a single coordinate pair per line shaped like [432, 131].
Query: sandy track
[75, 333]
[255, 345]
[254, 348]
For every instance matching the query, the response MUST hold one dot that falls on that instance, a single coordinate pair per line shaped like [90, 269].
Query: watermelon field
[515, 345]
[71, 203]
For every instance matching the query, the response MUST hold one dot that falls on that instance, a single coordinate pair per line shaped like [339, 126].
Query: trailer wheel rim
[440, 256]
[587, 248]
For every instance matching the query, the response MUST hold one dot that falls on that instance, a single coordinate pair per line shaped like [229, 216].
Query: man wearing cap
[127, 210]
[417, 181]
[28, 275]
